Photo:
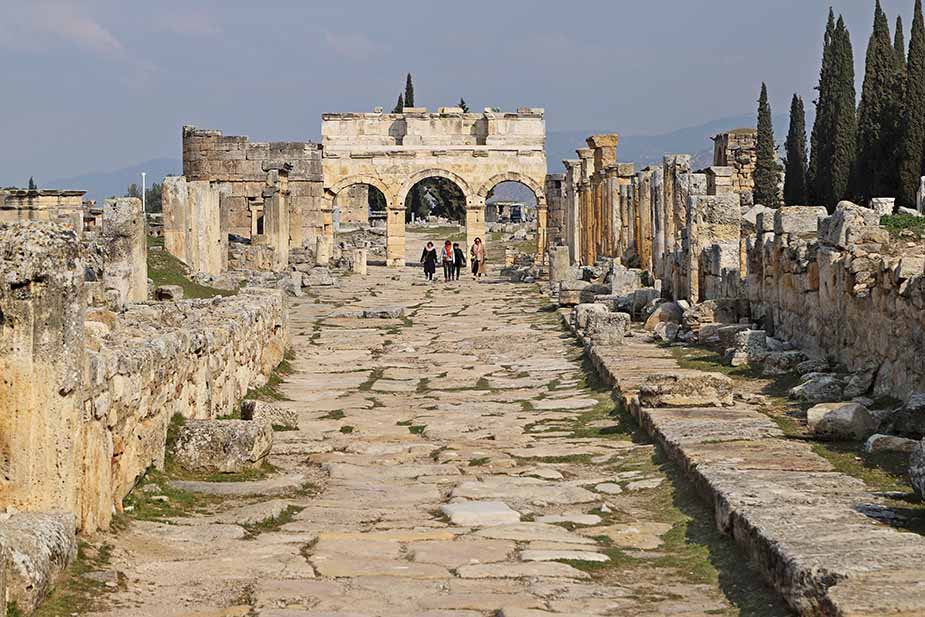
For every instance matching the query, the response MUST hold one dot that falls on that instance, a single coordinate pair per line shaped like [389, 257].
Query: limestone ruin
[313, 431]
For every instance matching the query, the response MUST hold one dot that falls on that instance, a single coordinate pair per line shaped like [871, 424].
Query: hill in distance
[105, 184]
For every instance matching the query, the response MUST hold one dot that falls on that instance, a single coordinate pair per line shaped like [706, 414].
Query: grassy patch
[374, 375]
[270, 391]
[417, 429]
[346, 429]
[262, 472]
[898, 223]
[337, 414]
[144, 503]
[479, 462]
[273, 523]
[79, 593]
[165, 269]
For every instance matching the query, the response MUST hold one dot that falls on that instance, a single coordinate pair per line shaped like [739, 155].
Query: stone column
[359, 261]
[644, 239]
[475, 223]
[276, 213]
[175, 207]
[125, 270]
[586, 217]
[615, 222]
[41, 368]
[604, 148]
[920, 196]
[323, 248]
[542, 215]
[395, 237]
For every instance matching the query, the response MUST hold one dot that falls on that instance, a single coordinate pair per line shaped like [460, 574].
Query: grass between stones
[272, 523]
[80, 592]
[270, 391]
[165, 269]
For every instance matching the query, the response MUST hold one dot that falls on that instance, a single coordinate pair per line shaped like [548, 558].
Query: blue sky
[95, 85]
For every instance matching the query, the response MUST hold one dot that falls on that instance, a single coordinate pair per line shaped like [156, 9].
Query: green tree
[844, 120]
[912, 143]
[133, 191]
[767, 171]
[32, 186]
[463, 105]
[875, 172]
[400, 105]
[795, 179]
[820, 140]
[409, 92]
[153, 198]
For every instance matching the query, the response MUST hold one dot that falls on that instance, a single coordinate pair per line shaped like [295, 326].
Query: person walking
[460, 260]
[449, 258]
[429, 259]
[477, 254]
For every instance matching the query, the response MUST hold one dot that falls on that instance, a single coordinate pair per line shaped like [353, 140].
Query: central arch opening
[435, 200]
[359, 206]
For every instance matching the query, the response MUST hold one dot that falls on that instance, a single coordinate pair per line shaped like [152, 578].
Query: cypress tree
[409, 92]
[400, 105]
[844, 119]
[875, 171]
[767, 171]
[32, 186]
[820, 140]
[795, 180]
[912, 146]
[899, 48]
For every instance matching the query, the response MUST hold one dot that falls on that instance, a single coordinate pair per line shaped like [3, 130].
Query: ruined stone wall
[210, 156]
[838, 286]
[738, 150]
[352, 206]
[86, 394]
[63, 207]
[195, 224]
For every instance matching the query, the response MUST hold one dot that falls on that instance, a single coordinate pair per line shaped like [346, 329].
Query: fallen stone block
[168, 293]
[750, 347]
[666, 311]
[850, 224]
[917, 469]
[781, 362]
[666, 331]
[39, 546]
[909, 212]
[692, 389]
[883, 206]
[319, 276]
[275, 416]
[606, 328]
[800, 221]
[384, 312]
[851, 421]
[813, 365]
[721, 311]
[860, 382]
[819, 388]
[222, 446]
[581, 314]
[889, 443]
[570, 292]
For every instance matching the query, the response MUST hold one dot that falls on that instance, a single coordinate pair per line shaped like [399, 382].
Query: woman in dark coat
[429, 259]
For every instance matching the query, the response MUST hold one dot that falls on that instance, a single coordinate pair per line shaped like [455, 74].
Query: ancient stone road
[464, 467]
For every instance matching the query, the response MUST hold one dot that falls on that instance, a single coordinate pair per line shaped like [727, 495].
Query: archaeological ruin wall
[64, 207]
[88, 391]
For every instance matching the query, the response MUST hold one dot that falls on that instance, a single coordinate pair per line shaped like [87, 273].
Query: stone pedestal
[883, 206]
[125, 272]
[276, 225]
[475, 225]
[920, 196]
[359, 261]
[559, 263]
[322, 251]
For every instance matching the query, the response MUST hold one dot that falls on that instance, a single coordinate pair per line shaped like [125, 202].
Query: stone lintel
[606, 140]
[584, 153]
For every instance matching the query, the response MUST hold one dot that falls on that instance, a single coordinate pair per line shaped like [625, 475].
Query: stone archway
[396, 151]
[541, 206]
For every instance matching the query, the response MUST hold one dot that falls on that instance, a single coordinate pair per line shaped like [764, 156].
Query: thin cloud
[351, 45]
[192, 24]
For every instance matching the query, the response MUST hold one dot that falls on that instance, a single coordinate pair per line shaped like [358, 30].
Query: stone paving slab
[799, 521]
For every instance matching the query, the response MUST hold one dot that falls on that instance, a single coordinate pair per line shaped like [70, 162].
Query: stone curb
[809, 530]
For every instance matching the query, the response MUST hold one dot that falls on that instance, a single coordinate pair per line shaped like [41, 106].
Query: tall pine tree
[409, 92]
[875, 170]
[795, 180]
[844, 119]
[400, 105]
[820, 142]
[32, 186]
[767, 171]
[912, 145]
[899, 48]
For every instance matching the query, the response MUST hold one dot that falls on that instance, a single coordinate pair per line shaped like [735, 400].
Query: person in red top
[449, 260]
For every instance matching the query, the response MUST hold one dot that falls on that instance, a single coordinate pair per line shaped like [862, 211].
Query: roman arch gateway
[393, 152]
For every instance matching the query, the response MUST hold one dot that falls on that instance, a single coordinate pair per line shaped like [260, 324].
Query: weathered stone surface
[909, 420]
[479, 513]
[686, 389]
[665, 312]
[850, 224]
[819, 388]
[798, 220]
[522, 570]
[563, 555]
[274, 415]
[889, 443]
[842, 420]
[318, 276]
[40, 547]
[224, 446]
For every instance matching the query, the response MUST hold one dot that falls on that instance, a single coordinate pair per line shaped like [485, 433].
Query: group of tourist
[453, 259]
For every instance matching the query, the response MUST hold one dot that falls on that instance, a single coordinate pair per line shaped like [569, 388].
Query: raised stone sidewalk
[809, 529]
